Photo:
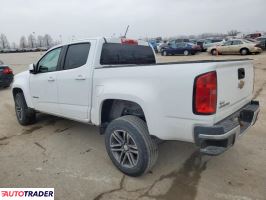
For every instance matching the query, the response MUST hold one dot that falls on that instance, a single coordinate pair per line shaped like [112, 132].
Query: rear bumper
[6, 80]
[214, 140]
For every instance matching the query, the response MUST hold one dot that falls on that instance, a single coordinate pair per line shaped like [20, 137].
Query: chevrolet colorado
[116, 84]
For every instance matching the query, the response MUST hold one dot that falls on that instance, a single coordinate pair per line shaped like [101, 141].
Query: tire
[129, 145]
[214, 52]
[164, 53]
[244, 51]
[25, 115]
[186, 52]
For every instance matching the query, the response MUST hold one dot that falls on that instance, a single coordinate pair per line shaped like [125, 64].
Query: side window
[50, 61]
[77, 55]
[178, 45]
[237, 42]
[183, 45]
[173, 45]
[228, 43]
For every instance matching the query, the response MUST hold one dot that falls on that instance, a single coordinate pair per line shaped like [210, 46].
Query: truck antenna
[126, 31]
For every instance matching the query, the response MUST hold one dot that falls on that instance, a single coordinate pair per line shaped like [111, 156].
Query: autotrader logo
[26, 193]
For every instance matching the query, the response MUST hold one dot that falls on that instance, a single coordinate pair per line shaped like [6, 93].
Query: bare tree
[23, 42]
[211, 35]
[233, 32]
[3, 41]
[40, 41]
[32, 41]
[47, 40]
[14, 46]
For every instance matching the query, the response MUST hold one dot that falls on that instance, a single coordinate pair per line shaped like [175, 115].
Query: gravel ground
[71, 157]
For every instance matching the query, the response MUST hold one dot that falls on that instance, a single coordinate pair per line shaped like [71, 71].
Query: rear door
[75, 81]
[236, 46]
[179, 49]
[235, 86]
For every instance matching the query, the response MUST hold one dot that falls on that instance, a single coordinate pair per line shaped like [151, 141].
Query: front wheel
[130, 146]
[25, 115]
[214, 52]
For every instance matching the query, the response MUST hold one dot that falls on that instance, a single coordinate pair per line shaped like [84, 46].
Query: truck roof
[107, 40]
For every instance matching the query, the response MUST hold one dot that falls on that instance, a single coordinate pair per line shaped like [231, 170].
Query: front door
[75, 81]
[43, 84]
[225, 48]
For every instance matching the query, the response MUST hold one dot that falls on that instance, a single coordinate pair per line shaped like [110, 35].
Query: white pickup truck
[116, 84]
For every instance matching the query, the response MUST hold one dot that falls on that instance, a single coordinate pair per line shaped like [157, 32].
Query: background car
[153, 44]
[6, 75]
[161, 46]
[253, 35]
[262, 41]
[180, 48]
[236, 46]
[210, 43]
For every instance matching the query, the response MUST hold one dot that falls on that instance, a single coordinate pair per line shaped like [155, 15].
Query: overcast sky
[89, 18]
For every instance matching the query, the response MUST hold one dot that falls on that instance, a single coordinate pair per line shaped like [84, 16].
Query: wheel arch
[17, 89]
[111, 109]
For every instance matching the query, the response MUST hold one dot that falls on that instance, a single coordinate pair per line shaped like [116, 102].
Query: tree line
[28, 42]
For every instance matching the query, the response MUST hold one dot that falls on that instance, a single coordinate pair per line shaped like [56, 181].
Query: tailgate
[235, 87]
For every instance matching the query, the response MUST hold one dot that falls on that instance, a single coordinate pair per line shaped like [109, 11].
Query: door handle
[80, 78]
[51, 79]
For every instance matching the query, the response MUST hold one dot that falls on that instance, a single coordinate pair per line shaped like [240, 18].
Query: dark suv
[262, 41]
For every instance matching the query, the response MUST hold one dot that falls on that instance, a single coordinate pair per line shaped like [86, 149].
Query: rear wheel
[24, 114]
[164, 53]
[244, 51]
[186, 52]
[130, 146]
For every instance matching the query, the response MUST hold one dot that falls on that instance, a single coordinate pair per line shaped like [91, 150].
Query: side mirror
[32, 68]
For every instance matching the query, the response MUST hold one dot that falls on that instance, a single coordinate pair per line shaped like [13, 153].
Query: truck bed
[179, 62]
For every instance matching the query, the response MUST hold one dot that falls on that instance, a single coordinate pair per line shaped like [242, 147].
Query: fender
[22, 81]
[139, 93]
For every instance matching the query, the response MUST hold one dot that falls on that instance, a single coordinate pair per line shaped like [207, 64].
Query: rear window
[77, 55]
[118, 54]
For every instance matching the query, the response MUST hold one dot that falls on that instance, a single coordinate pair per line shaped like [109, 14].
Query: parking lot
[71, 157]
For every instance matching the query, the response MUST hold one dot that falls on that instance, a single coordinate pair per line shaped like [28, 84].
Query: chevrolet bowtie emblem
[241, 84]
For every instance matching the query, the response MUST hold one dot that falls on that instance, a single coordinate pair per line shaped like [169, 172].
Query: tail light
[7, 70]
[195, 46]
[205, 94]
[129, 41]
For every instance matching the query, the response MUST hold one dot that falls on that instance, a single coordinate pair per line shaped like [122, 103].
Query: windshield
[247, 41]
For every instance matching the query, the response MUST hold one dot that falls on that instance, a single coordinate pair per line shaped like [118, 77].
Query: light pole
[32, 39]
[60, 36]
